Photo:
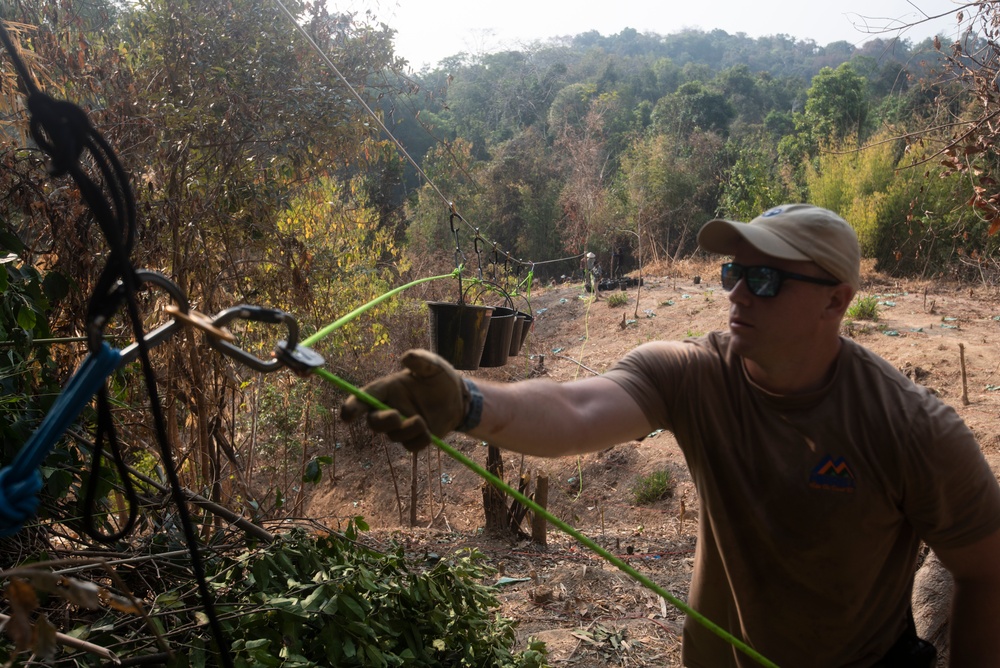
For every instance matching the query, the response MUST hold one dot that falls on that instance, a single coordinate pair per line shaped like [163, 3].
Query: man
[819, 467]
[592, 275]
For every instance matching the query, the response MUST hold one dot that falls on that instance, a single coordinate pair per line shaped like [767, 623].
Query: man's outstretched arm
[536, 417]
[548, 419]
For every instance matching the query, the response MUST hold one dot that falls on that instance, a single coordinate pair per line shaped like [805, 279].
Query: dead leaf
[81, 593]
[119, 603]
[23, 603]
[44, 645]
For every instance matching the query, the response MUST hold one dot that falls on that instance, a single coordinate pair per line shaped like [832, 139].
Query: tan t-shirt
[812, 506]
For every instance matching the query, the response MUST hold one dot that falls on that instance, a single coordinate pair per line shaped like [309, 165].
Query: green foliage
[454, 170]
[753, 184]
[29, 379]
[652, 487]
[855, 184]
[670, 185]
[837, 103]
[617, 299]
[694, 106]
[864, 307]
[314, 468]
[345, 252]
[326, 601]
[906, 217]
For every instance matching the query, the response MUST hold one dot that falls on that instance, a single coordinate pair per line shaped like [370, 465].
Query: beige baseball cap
[792, 232]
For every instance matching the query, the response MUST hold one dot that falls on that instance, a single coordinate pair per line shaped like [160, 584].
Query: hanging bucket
[458, 332]
[529, 320]
[521, 328]
[515, 335]
[497, 347]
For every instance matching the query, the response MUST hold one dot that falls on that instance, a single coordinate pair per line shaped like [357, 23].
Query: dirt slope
[589, 613]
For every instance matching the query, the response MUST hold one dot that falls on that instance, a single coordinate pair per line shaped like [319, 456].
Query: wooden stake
[542, 499]
[965, 383]
[495, 501]
[413, 488]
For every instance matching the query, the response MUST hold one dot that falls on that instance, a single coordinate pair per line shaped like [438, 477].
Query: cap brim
[724, 237]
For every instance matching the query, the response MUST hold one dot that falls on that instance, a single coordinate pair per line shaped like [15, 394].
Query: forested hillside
[264, 174]
[598, 141]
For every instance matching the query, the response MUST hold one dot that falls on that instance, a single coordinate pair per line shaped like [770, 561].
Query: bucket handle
[490, 286]
[527, 302]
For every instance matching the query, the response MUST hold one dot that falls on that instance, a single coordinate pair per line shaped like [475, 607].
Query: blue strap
[21, 481]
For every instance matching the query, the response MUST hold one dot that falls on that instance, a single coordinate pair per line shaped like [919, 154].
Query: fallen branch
[580, 364]
[76, 643]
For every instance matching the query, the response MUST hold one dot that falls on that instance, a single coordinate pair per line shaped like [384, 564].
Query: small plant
[863, 308]
[616, 299]
[652, 487]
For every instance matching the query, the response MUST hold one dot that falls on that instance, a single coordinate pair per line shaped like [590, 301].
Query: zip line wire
[449, 203]
[486, 475]
[63, 131]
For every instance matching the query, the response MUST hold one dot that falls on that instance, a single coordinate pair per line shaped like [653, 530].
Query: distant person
[819, 467]
[591, 274]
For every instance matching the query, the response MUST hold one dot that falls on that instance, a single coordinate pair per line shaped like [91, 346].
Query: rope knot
[60, 129]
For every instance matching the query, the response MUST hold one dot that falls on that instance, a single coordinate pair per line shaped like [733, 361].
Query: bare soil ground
[588, 612]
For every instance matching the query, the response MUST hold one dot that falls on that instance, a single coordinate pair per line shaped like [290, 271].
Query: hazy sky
[429, 30]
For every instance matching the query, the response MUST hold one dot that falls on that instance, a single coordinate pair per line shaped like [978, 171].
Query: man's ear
[840, 300]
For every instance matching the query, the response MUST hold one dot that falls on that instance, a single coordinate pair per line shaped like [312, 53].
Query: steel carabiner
[164, 331]
[288, 353]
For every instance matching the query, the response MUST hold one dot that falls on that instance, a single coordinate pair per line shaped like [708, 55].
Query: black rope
[90, 495]
[63, 131]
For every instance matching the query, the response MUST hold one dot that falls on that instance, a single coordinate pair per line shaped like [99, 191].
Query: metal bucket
[515, 335]
[458, 332]
[497, 347]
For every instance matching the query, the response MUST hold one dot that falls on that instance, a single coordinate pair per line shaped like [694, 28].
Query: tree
[693, 106]
[219, 130]
[837, 103]
[586, 163]
[519, 200]
[753, 183]
[671, 185]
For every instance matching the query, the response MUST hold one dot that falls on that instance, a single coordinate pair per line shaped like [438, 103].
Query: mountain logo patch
[833, 475]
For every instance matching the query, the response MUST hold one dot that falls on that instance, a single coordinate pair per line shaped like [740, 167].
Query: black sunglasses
[764, 281]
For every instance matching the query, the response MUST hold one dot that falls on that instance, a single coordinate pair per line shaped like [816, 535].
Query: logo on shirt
[772, 212]
[833, 475]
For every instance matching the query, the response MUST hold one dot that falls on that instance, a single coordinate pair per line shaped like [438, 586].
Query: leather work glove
[430, 393]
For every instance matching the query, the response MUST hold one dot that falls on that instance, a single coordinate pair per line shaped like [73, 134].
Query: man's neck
[789, 376]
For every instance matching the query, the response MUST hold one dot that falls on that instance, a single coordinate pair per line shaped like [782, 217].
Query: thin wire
[357, 96]
[451, 205]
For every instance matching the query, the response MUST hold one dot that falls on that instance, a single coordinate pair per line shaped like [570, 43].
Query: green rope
[524, 500]
[340, 322]
[563, 526]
